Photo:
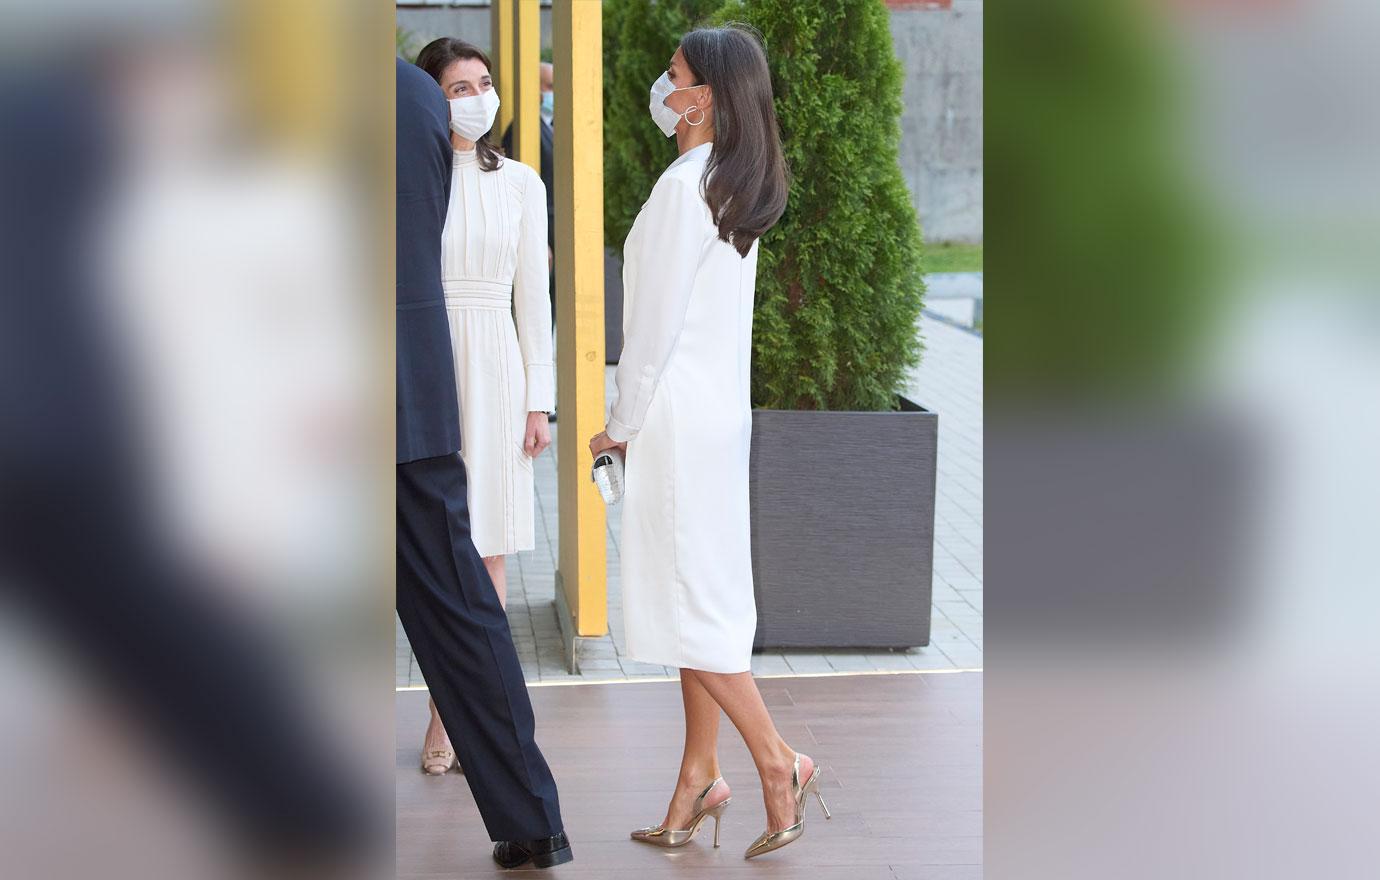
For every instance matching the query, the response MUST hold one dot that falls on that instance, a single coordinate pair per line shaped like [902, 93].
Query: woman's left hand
[538, 434]
[601, 441]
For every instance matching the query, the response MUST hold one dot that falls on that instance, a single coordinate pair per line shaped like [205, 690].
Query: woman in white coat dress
[494, 269]
[683, 420]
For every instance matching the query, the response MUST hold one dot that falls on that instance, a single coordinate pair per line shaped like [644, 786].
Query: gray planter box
[843, 527]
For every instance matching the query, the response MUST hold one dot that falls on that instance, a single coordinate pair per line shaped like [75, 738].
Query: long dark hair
[441, 53]
[745, 180]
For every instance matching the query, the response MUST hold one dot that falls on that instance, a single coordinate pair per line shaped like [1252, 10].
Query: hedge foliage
[640, 36]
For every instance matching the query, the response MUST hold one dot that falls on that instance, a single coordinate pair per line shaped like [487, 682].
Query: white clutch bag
[607, 474]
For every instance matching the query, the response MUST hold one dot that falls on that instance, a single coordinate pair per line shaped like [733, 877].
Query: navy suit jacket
[428, 413]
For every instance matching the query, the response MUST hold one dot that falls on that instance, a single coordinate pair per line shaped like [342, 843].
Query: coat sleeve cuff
[618, 431]
[541, 388]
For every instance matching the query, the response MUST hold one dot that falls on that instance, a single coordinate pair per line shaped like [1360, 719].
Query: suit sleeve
[532, 299]
[670, 253]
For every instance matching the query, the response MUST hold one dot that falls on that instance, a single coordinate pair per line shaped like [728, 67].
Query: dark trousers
[459, 632]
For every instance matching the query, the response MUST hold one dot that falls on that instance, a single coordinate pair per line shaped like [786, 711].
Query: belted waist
[478, 293]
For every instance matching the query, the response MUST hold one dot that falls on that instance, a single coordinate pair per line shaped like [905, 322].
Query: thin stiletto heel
[813, 788]
[717, 813]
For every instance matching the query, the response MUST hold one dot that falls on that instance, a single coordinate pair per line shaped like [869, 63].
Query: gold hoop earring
[696, 110]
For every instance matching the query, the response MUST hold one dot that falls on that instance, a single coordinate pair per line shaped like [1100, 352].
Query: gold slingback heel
[772, 840]
[659, 835]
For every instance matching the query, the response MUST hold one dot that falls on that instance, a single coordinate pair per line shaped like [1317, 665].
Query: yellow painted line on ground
[659, 678]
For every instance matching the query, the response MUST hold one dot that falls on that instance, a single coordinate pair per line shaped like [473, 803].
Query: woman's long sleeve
[671, 248]
[532, 299]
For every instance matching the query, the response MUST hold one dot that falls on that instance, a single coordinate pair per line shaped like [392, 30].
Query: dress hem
[680, 664]
[504, 552]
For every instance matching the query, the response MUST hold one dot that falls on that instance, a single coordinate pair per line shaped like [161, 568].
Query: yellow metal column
[527, 78]
[581, 578]
[501, 54]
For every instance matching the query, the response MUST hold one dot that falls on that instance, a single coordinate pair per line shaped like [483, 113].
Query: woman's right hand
[601, 441]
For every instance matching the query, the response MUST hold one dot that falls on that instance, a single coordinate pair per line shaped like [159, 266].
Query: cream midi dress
[683, 405]
[494, 272]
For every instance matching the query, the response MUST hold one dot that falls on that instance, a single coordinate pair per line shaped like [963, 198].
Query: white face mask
[664, 117]
[472, 116]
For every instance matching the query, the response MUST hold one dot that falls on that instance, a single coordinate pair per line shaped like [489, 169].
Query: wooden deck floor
[902, 756]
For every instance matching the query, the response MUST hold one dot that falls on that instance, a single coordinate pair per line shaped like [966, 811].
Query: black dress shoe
[545, 853]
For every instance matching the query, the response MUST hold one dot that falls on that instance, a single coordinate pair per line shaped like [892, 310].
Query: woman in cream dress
[683, 420]
[494, 269]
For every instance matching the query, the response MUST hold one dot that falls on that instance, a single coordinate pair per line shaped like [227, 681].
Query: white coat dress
[495, 277]
[683, 406]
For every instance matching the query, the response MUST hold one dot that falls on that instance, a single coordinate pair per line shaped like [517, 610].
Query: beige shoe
[438, 762]
[660, 835]
[772, 840]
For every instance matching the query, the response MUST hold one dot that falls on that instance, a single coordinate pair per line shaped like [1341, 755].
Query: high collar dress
[494, 273]
[683, 406]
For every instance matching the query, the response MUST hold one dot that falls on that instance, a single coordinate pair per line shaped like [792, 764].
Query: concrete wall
[939, 44]
[941, 126]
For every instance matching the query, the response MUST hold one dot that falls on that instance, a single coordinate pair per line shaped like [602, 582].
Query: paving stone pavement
[948, 381]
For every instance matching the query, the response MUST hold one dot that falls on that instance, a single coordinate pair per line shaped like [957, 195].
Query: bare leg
[699, 764]
[738, 695]
[436, 739]
[498, 573]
